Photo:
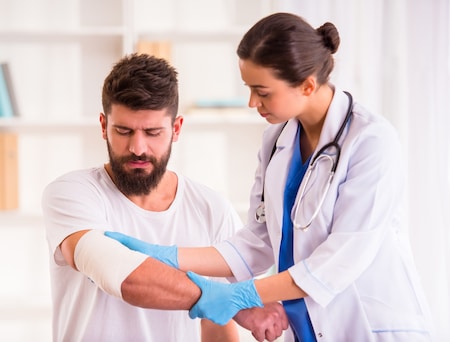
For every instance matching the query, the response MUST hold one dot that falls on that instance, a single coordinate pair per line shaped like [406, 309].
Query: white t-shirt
[88, 199]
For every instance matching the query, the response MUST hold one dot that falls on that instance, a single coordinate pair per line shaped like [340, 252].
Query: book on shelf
[8, 101]
[9, 170]
[157, 48]
[232, 102]
[219, 106]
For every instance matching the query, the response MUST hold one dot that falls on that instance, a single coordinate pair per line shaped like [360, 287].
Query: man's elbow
[68, 247]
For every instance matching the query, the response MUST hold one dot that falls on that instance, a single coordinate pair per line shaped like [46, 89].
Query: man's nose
[137, 144]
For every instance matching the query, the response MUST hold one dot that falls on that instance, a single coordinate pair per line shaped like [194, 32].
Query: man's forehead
[139, 119]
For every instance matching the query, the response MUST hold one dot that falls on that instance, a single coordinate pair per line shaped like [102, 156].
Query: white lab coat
[354, 262]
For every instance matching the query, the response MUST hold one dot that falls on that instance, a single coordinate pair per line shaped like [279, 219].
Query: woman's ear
[309, 86]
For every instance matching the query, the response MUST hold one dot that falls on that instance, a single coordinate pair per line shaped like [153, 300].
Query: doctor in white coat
[325, 208]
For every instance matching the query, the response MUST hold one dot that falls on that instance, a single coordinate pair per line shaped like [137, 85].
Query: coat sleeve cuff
[314, 288]
[236, 262]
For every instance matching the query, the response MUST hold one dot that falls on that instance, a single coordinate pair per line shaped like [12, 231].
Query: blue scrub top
[295, 309]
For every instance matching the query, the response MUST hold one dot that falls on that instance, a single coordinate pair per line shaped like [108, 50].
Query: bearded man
[101, 290]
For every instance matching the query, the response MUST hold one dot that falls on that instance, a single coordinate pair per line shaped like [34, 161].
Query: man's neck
[160, 198]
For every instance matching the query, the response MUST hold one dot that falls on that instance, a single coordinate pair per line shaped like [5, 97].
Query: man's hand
[267, 323]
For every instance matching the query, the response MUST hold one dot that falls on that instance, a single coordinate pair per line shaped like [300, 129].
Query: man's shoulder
[194, 186]
[77, 179]
[202, 198]
[196, 192]
[80, 175]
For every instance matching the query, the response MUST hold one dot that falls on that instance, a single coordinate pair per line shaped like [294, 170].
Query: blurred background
[394, 58]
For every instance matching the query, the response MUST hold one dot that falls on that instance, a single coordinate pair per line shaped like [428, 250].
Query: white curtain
[395, 59]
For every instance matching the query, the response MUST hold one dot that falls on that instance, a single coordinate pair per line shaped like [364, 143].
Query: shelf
[223, 117]
[48, 35]
[233, 34]
[14, 309]
[19, 218]
[20, 125]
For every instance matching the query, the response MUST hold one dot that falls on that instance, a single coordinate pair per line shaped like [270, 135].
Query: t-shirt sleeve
[70, 206]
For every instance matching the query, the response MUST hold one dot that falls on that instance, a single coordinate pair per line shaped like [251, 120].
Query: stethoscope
[319, 156]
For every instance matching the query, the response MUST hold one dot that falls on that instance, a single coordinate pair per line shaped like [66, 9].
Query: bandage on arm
[105, 261]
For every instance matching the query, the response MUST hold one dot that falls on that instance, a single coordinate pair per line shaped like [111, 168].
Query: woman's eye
[263, 94]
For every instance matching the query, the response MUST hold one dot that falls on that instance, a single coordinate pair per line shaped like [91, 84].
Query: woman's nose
[254, 101]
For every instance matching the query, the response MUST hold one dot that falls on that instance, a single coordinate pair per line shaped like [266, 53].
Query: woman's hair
[291, 47]
[141, 82]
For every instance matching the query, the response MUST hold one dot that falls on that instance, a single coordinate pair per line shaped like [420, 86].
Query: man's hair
[140, 81]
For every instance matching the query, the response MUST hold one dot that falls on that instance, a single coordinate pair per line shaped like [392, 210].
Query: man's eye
[153, 133]
[123, 131]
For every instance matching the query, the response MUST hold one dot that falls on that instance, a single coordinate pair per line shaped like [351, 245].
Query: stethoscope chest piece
[260, 213]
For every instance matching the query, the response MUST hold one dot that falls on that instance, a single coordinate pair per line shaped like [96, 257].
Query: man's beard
[136, 181]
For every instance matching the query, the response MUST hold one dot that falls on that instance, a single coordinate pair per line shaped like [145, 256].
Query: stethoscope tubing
[312, 165]
[260, 210]
[301, 193]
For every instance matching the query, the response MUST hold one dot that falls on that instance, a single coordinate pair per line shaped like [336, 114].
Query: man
[95, 279]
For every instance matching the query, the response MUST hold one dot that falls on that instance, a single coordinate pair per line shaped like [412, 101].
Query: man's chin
[138, 172]
[133, 189]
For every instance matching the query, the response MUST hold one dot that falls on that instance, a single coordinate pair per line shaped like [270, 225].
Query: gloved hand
[165, 254]
[220, 302]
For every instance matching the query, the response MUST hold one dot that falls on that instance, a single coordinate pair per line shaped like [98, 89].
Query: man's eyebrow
[133, 129]
[153, 128]
[121, 126]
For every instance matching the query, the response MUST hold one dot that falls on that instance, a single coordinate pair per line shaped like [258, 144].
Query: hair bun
[330, 36]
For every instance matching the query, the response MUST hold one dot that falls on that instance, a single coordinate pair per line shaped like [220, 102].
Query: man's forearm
[158, 286]
[149, 284]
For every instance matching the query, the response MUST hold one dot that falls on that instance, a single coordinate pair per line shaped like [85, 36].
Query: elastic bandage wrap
[106, 261]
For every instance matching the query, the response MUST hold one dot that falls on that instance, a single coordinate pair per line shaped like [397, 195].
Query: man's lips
[138, 163]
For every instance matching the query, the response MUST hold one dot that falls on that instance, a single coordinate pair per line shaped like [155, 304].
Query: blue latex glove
[165, 254]
[220, 302]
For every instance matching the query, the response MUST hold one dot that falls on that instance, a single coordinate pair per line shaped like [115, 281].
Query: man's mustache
[134, 157]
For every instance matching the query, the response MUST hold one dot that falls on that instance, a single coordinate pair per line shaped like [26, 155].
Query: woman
[345, 271]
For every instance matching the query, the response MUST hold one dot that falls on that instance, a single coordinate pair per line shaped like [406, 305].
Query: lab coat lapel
[334, 119]
[276, 174]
